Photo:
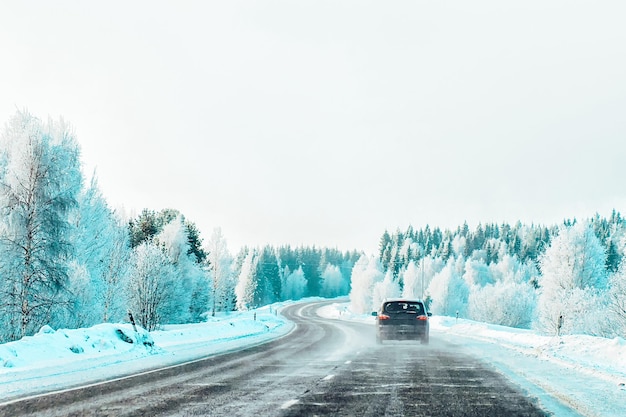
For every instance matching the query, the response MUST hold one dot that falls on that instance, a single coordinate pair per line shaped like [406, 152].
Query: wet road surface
[323, 368]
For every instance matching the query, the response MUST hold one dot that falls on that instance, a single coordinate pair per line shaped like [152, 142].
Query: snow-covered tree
[448, 291]
[220, 266]
[387, 288]
[246, 283]
[115, 276]
[617, 301]
[333, 284]
[150, 284]
[412, 278]
[102, 252]
[573, 275]
[365, 274]
[80, 300]
[40, 179]
[504, 303]
[295, 285]
[187, 296]
[617, 297]
[477, 273]
[459, 245]
[510, 269]
[575, 259]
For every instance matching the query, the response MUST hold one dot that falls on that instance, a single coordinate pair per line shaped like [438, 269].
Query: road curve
[324, 367]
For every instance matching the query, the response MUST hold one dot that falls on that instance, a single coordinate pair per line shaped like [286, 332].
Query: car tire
[425, 339]
[379, 340]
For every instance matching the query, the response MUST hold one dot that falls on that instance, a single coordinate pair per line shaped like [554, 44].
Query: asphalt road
[323, 368]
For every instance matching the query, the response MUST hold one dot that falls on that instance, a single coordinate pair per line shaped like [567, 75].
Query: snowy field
[587, 374]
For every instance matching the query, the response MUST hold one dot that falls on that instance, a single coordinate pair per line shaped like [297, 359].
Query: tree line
[567, 278]
[68, 260]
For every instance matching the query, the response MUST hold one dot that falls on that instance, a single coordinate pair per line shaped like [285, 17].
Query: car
[402, 319]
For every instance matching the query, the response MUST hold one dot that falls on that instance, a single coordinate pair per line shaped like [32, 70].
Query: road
[324, 368]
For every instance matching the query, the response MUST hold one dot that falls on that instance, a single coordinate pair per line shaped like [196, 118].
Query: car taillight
[383, 317]
[423, 318]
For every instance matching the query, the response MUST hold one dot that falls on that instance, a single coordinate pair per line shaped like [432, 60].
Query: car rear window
[404, 307]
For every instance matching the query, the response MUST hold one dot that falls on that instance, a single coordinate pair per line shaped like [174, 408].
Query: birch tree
[617, 297]
[189, 294]
[365, 274]
[220, 265]
[449, 291]
[102, 250]
[149, 284]
[40, 179]
[573, 275]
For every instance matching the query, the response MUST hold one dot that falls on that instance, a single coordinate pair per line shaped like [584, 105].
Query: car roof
[403, 300]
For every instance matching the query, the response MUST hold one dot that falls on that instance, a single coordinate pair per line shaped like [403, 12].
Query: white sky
[327, 122]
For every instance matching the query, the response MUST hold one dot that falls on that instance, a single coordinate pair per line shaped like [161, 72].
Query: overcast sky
[327, 122]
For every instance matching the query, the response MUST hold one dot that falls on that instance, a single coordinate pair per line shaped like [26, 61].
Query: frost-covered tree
[151, 283]
[40, 179]
[510, 269]
[575, 259]
[617, 301]
[80, 300]
[247, 283]
[505, 303]
[477, 273]
[387, 288]
[412, 278]
[459, 245]
[115, 276]
[333, 284]
[617, 297]
[99, 271]
[573, 275]
[187, 296]
[295, 285]
[448, 291]
[365, 274]
[220, 266]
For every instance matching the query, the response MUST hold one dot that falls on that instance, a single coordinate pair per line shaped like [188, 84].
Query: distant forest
[492, 241]
[561, 279]
[67, 259]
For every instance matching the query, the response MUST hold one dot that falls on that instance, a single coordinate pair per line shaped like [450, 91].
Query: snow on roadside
[57, 359]
[585, 374]
[604, 358]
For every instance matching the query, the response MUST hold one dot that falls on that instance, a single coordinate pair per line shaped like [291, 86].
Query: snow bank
[604, 358]
[63, 346]
[55, 359]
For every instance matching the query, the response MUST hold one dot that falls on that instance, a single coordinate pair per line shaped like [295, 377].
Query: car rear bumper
[401, 332]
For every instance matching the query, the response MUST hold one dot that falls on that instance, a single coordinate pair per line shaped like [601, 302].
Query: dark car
[401, 319]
